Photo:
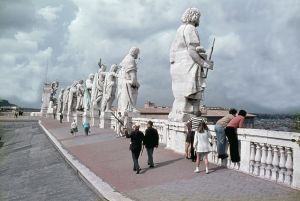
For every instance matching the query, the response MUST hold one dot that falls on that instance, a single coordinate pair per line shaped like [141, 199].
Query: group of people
[137, 142]
[198, 143]
[85, 125]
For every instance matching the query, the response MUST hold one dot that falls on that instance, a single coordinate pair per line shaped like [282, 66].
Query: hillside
[5, 103]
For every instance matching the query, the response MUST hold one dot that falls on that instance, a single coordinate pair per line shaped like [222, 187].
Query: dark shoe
[134, 169]
[151, 166]
[138, 171]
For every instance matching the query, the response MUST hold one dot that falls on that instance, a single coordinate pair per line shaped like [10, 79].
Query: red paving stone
[172, 179]
[111, 160]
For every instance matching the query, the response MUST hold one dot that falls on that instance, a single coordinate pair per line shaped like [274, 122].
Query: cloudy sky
[256, 52]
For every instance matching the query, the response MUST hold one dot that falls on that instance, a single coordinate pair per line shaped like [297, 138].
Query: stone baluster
[263, 160]
[214, 148]
[289, 167]
[252, 157]
[282, 165]
[275, 164]
[257, 159]
[269, 163]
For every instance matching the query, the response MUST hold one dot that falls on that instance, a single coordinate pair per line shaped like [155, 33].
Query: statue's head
[91, 76]
[62, 90]
[191, 16]
[102, 68]
[134, 51]
[114, 68]
[80, 81]
[54, 84]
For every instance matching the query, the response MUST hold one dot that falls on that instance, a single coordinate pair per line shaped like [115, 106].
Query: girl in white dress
[202, 145]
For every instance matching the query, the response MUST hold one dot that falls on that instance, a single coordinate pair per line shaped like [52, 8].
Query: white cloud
[256, 51]
[228, 45]
[49, 13]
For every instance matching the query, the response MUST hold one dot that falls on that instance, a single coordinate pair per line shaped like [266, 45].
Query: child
[74, 128]
[86, 127]
[202, 145]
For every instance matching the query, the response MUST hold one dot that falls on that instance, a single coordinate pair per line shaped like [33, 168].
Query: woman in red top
[231, 133]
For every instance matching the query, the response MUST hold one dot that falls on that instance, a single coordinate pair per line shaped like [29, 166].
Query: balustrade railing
[270, 155]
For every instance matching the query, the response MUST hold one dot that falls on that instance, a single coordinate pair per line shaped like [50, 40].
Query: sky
[256, 54]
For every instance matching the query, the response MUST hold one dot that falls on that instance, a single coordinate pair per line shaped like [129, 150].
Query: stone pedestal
[105, 120]
[94, 117]
[45, 98]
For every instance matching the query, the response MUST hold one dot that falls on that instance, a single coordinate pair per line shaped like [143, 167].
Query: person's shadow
[161, 164]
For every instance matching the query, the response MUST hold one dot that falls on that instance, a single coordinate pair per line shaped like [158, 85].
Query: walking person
[61, 116]
[137, 139]
[151, 140]
[86, 127]
[74, 128]
[220, 132]
[231, 134]
[202, 145]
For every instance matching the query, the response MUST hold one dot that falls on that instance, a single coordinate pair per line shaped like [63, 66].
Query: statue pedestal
[105, 120]
[94, 117]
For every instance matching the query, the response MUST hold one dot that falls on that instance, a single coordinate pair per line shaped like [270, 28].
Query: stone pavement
[172, 178]
[31, 169]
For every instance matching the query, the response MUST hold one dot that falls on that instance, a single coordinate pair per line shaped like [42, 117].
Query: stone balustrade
[267, 154]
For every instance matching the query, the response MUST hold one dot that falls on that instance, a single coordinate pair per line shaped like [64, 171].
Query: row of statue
[189, 64]
[98, 92]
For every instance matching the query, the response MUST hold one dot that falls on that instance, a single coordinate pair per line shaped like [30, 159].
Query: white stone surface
[72, 98]
[109, 89]
[127, 82]
[188, 68]
[87, 102]
[97, 88]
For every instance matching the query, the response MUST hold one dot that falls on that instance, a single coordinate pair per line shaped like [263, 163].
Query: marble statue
[80, 94]
[97, 89]
[88, 93]
[72, 99]
[54, 87]
[65, 99]
[52, 99]
[188, 66]
[109, 88]
[127, 82]
[60, 101]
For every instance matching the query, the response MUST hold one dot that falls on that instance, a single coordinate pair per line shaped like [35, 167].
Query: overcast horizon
[256, 65]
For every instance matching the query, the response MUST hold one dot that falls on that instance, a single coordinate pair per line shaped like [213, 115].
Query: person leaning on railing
[231, 134]
[220, 133]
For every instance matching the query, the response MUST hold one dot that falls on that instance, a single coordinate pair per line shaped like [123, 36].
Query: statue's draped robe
[185, 73]
[127, 93]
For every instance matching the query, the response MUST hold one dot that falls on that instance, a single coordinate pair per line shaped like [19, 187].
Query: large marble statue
[72, 99]
[54, 87]
[60, 101]
[52, 99]
[87, 104]
[109, 88]
[65, 99]
[79, 94]
[189, 65]
[97, 89]
[127, 82]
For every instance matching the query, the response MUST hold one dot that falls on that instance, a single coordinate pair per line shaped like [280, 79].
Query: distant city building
[213, 114]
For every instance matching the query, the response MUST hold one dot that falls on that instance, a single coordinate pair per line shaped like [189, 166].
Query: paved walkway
[172, 178]
[31, 169]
